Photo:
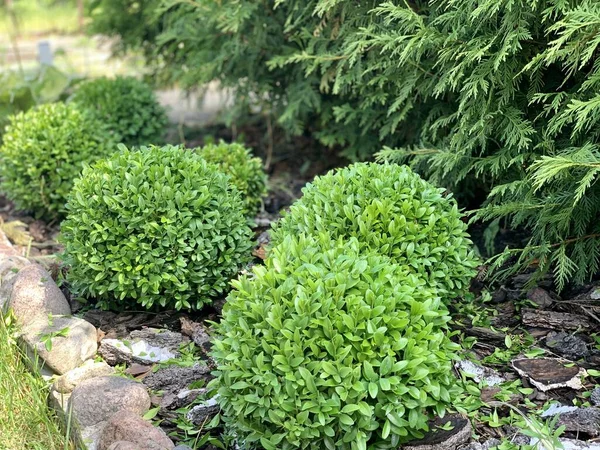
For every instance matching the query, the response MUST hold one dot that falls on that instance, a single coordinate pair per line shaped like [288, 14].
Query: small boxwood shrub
[393, 212]
[158, 226]
[43, 151]
[329, 347]
[127, 105]
[246, 172]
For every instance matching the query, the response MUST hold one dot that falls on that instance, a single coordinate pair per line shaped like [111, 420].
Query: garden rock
[204, 412]
[482, 446]
[479, 373]
[182, 447]
[90, 369]
[440, 439]
[567, 345]
[595, 396]
[130, 427]
[9, 269]
[66, 352]
[540, 297]
[172, 400]
[146, 346]
[197, 332]
[97, 399]
[124, 445]
[549, 373]
[581, 421]
[35, 295]
[6, 247]
[176, 378]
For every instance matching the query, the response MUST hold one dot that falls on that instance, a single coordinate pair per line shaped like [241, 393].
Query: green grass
[35, 18]
[25, 419]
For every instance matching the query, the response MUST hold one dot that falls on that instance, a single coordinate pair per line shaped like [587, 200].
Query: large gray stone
[66, 352]
[97, 399]
[10, 266]
[35, 295]
[6, 247]
[130, 427]
[89, 369]
[124, 445]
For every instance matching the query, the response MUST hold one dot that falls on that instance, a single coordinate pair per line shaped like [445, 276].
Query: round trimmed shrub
[327, 347]
[391, 211]
[158, 226]
[246, 172]
[43, 151]
[127, 106]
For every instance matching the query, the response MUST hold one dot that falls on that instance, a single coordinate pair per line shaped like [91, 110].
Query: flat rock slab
[130, 427]
[567, 345]
[440, 439]
[119, 325]
[549, 373]
[97, 399]
[582, 421]
[172, 400]
[479, 373]
[176, 378]
[89, 369]
[64, 353]
[555, 320]
[197, 332]
[35, 295]
[204, 412]
[146, 346]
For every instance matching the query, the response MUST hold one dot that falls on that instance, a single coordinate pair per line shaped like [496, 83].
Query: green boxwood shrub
[246, 172]
[158, 226]
[127, 105]
[329, 347]
[43, 151]
[393, 212]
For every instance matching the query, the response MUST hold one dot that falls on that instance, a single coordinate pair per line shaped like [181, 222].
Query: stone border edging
[104, 411]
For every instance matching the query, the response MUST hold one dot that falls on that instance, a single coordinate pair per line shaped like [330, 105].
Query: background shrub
[393, 212]
[497, 96]
[246, 172]
[328, 346]
[127, 106]
[43, 151]
[159, 227]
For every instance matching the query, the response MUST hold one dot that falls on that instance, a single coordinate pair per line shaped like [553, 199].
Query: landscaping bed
[524, 347]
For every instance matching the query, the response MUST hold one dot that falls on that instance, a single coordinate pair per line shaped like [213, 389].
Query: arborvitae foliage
[500, 92]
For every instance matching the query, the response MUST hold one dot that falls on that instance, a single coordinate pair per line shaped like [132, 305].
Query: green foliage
[246, 172]
[20, 92]
[328, 346]
[130, 21]
[392, 212]
[127, 106]
[500, 95]
[44, 150]
[159, 227]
